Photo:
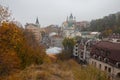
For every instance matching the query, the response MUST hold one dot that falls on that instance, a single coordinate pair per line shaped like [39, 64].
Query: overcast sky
[56, 11]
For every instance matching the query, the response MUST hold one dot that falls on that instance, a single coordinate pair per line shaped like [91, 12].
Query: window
[105, 68]
[118, 40]
[81, 56]
[92, 62]
[106, 60]
[118, 75]
[109, 69]
[95, 63]
[76, 53]
[102, 51]
[99, 58]
[81, 53]
[100, 66]
[94, 56]
[76, 49]
[107, 53]
[118, 64]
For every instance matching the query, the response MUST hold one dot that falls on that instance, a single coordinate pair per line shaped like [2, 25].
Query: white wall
[114, 70]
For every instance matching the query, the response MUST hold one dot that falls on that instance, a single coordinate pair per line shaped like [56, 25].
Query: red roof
[108, 45]
[113, 48]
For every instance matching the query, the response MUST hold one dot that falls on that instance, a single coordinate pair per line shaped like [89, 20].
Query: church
[36, 29]
[69, 27]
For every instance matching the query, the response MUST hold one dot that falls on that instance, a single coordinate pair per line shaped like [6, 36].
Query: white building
[82, 50]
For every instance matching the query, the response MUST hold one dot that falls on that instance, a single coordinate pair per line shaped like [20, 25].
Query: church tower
[37, 22]
[71, 17]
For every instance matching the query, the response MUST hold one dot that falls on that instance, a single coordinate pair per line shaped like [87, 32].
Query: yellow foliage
[15, 51]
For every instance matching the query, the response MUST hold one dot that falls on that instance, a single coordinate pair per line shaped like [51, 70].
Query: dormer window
[102, 51]
[94, 56]
[118, 64]
[99, 58]
[106, 60]
[107, 53]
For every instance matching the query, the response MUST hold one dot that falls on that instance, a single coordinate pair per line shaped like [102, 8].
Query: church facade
[71, 28]
[68, 27]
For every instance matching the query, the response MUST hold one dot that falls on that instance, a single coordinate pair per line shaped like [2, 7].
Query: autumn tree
[16, 51]
[10, 39]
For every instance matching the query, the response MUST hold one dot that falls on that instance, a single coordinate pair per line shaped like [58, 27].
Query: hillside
[66, 70]
[107, 25]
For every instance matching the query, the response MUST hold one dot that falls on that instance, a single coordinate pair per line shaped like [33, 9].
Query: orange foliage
[16, 51]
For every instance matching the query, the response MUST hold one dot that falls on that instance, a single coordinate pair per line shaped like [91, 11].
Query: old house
[106, 56]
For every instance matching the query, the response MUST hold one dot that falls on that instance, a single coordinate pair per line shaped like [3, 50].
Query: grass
[60, 70]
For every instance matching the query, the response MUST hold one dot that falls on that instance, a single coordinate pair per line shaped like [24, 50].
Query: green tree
[68, 44]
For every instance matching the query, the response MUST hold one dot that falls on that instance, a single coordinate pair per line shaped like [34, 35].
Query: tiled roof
[108, 45]
[113, 48]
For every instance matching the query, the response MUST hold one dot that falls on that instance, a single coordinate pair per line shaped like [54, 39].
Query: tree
[68, 44]
[16, 49]
[10, 39]
[4, 13]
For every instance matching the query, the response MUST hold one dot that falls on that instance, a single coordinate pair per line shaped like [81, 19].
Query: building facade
[82, 50]
[106, 56]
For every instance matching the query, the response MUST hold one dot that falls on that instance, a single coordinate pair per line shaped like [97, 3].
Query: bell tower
[37, 22]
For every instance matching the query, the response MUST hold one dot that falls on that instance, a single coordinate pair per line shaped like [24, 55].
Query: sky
[56, 11]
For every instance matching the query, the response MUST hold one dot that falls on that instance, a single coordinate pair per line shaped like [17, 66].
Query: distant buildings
[52, 28]
[114, 37]
[82, 49]
[104, 55]
[52, 36]
[70, 27]
[56, 41]
[82, 25]
[35, 29]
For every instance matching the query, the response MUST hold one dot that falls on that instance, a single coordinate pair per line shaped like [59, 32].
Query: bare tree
[4, 13]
